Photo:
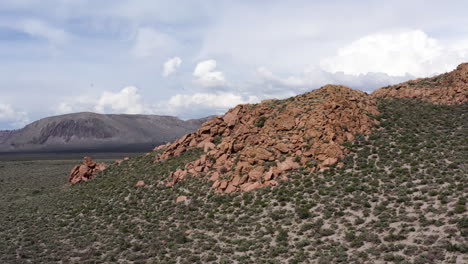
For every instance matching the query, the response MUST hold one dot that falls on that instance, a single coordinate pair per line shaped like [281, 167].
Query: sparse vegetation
[400, 198]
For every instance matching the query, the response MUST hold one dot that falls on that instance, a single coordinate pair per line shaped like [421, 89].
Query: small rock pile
[86, 171]
[448, 88]
[253, 146]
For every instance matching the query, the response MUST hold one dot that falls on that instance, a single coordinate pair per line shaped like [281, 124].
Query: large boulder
[86, 171]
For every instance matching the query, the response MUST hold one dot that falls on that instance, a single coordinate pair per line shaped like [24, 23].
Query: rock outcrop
[86, 171]
[253, 146]
[448, 88]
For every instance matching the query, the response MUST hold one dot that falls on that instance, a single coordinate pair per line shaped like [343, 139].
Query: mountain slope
[400, 197]
[90, 131]
[447, 88]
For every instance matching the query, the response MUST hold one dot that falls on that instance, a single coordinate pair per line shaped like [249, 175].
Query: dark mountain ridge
[91, 131]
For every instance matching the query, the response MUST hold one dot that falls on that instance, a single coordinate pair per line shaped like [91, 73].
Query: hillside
[253, 146]
[98, 132]
[400, 197]
[447, 88]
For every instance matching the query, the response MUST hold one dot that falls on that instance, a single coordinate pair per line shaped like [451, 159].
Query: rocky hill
[400, 197]
[331, 176]
[448, 88]
[253, 145]
[97, 132]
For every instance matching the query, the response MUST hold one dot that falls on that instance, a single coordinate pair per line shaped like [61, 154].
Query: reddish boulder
[140, 183]
[86, 171]
[288, 164]
[181, 198]
[250, 186]
[256, 173]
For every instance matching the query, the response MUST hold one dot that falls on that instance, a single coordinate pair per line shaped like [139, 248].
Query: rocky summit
[253, 146]
[448, 88]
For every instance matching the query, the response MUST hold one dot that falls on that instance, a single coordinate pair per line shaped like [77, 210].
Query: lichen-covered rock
[86, 171]
[448, 88]
[255, 145]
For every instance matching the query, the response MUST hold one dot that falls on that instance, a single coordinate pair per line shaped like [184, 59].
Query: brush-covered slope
[400, 197]
[252, 146]
[90, 131]
[448, 88]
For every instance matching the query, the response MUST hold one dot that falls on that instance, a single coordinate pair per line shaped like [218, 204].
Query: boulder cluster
[448, 88]
[86, 171]
[253, 146]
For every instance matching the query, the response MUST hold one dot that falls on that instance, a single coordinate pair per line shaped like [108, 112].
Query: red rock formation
[254, 145]
[448, 88]
[86, 171]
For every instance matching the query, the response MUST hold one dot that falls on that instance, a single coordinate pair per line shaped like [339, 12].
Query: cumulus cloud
[171, 66]
[292, 81]
[315, 77]
[407, 52]
[149, 42]
[129, 101]
[63, 108]
[126, 101]
[203, 104]
[14, 118]
[206, 75]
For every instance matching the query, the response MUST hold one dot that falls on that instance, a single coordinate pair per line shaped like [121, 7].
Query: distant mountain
[4, 134]
[97, 132]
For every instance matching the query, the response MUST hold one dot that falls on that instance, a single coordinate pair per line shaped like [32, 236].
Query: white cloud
[292, 81]
[149, 42]
[39, 28]
[127, 101]
[314, 77]
[171, 66]
[15, 118]
[397, 54]
[280, 35]
[203, 104]
[63, 108]
[207, 76]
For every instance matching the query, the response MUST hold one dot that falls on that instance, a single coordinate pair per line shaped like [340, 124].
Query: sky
[193, 58]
